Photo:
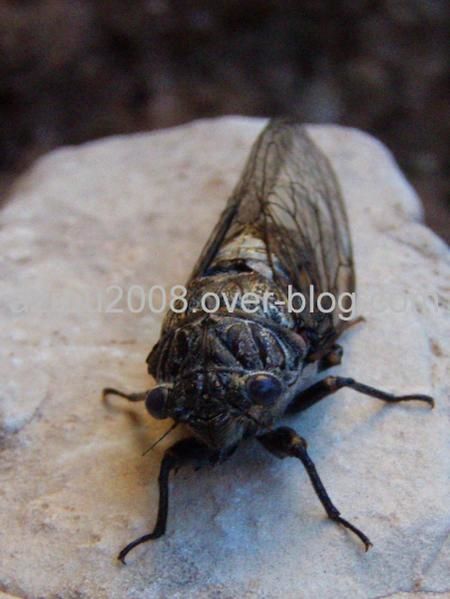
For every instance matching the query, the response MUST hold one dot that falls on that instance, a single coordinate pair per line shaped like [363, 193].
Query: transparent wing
[289, 197]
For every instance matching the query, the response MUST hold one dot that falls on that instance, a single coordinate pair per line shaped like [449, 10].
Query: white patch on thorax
[248, 248]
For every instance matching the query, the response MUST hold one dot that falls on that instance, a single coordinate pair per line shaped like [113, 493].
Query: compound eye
[156, 402]
[264, 389]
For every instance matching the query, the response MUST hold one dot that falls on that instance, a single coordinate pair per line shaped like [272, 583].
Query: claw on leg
[285, 442]
[183, 452]
[367, 542]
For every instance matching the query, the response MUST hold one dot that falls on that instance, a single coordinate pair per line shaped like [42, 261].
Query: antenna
[163, 436]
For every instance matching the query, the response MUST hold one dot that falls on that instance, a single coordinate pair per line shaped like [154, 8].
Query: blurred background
[75, 70]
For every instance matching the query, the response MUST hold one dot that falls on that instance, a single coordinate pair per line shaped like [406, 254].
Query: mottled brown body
[231, 374]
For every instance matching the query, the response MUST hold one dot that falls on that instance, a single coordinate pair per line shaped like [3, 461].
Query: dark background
[74, 70]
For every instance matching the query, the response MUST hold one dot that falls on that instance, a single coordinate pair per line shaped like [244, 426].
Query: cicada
[231, 374]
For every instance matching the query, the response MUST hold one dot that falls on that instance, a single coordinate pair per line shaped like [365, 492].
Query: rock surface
[73, 486]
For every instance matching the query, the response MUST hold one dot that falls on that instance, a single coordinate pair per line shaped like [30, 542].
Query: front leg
[331, 384]
[130, 396]
[285, 442]
[181, 453]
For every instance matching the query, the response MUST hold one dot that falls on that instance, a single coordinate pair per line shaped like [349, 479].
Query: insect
[230, 375]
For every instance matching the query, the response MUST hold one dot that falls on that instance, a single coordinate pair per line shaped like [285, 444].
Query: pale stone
[73, 485]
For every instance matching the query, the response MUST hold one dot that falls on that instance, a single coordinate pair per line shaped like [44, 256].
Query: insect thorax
[263, 321]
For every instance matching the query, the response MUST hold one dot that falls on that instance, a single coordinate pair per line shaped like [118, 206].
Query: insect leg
[332, 353]
[331, 384]
[344, 325]
[332, 358]
[285, 442]
[130, 396]
[181, 453]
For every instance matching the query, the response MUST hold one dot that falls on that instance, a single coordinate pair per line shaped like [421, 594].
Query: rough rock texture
[73, 485]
